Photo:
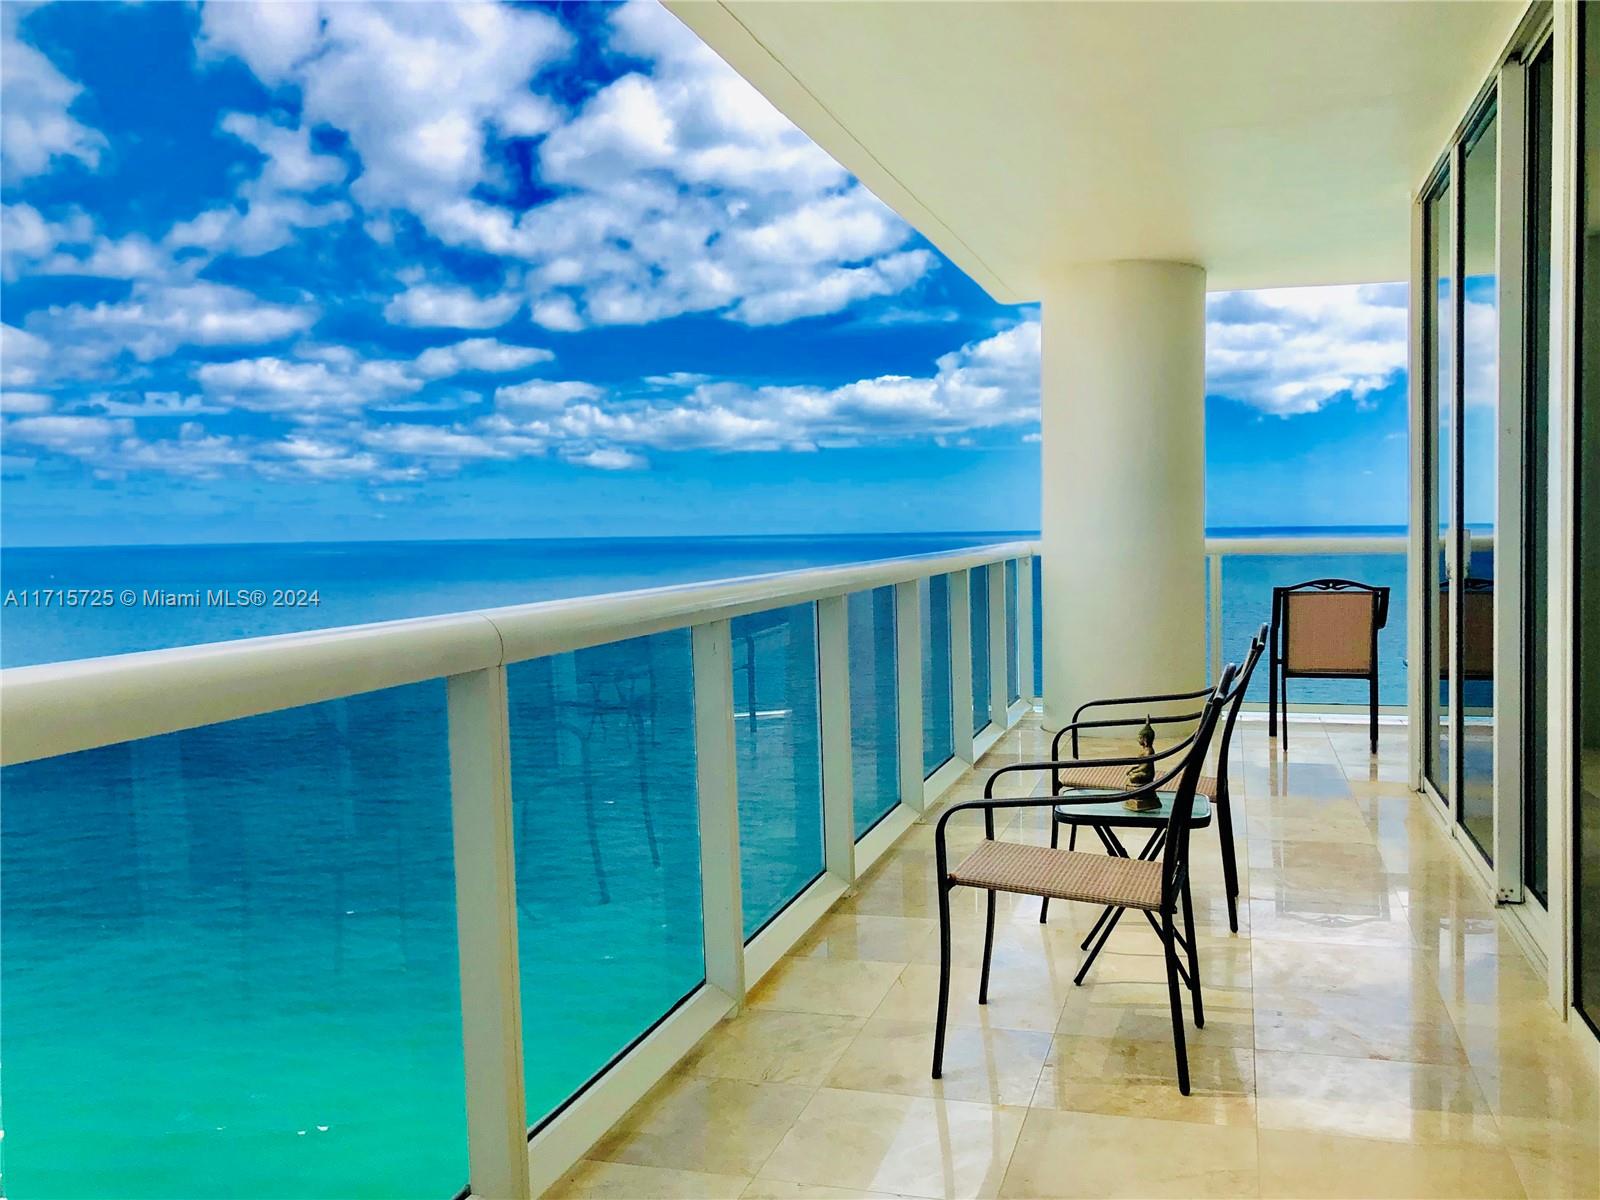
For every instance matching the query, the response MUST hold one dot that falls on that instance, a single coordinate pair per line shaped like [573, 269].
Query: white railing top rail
[1381, 543]
[61, 708]
[1346, 544]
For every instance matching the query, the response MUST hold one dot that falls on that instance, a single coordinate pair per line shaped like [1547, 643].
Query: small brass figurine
[1142, 774]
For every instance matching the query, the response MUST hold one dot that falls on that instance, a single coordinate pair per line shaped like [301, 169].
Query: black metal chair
[1068, 777]
[1156, 888]
[1325, 629]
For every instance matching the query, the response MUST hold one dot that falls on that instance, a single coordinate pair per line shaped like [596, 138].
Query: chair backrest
[1258, 646]
[1477, 628]
[1329, 626]
[1175, 855]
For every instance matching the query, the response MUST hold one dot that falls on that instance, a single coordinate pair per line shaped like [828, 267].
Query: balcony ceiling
[1276, 144]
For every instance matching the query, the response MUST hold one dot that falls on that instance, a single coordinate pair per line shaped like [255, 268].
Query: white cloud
[418, 87]
[31, 244]
[299, 388]
[292, 164]
[478, 354]
[24, 357]
[81, 437]
[437, 306]
[157, 318]
[24, 403]
[609, 460]
[36, 124]
[544, 395]
[681, 190]
[1295, 350]
[432, 441]
[273, 206]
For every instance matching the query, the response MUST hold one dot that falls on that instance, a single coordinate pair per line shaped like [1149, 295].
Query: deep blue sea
[229, 953]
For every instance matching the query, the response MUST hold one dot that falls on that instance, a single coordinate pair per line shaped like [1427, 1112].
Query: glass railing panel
[1038, 625]
[938, 716]
[1013, 684]
[778, 749]
[230, 960]
[607, 834]
[1247, 583]
[978, 589]
[874, 707]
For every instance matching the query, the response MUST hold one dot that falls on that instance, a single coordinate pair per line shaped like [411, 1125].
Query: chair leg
[1230, 865]
[1055, 841]
[1176, 1001]
[1372, 708]
[1283, 708]
[988, 949]
[1105, 936]
[1194, 956]
[1272, 697]
[944, 979]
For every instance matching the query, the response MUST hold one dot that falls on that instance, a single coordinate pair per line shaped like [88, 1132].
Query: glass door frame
[1502, 99]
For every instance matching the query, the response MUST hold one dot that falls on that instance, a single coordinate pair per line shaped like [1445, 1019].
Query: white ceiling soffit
[1276, 144]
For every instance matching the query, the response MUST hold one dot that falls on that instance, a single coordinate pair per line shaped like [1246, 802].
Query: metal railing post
[833, 689]
[717, 787]
[908, 688]
[486, 924]
[999, 681]
[1025, 662]
[1214, 644]
[961, 730]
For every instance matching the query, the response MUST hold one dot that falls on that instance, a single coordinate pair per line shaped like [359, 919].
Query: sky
[298, 271]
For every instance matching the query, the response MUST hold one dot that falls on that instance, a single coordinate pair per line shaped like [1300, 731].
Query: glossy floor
[1371, 1030]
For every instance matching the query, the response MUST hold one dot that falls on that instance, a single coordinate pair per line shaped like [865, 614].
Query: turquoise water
[230, 953]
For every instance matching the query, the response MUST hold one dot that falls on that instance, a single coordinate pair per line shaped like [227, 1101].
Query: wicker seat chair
[1214, 789]
[1325, 629]
[1156, 887]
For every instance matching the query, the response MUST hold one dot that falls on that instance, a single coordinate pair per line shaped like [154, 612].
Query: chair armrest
[1055, 765]
[990, 804]
[1112, 723]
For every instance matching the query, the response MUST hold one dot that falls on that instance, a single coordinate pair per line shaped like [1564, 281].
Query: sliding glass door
[1586, 608]
[1486, 221]
[1477, 418]
[1437, 294]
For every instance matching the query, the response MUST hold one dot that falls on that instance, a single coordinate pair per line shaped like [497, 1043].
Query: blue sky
[296, 271]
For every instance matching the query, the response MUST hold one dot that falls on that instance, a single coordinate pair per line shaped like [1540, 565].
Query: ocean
[230, 953]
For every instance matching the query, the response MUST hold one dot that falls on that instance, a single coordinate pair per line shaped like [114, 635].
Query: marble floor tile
[1372, 1099]
[594, 1179]
[1326, 1166]
[990, 1066]
[1139, 1078]
[907, 1145]
[717, 1126]
[766, 1045]
[1078, 1154]
[1372, 1029]
[838, 987]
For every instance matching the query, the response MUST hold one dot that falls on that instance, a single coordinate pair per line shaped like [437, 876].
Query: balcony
[638, 886]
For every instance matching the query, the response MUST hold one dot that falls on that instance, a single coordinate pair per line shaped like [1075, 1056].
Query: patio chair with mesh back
[1156, 887]
[1477, 626]
[1325, 629]
[1212, 791]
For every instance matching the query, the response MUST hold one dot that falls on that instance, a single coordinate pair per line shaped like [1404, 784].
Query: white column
[1123, 456]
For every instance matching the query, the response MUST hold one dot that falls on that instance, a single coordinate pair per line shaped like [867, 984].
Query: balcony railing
[366, 908]
[357, 910]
